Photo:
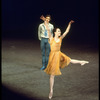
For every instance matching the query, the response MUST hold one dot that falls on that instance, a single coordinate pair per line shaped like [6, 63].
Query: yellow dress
[57, 59]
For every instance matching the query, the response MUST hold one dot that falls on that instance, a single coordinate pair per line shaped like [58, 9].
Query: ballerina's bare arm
[67, 29]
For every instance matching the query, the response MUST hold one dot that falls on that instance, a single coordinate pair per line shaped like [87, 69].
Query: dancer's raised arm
[67, 29]
[42, 17]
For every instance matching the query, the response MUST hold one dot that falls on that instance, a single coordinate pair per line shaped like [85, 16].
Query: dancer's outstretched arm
[67, 29]
[42, 17]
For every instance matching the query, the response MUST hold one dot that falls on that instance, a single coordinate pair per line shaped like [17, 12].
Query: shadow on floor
[8, 94]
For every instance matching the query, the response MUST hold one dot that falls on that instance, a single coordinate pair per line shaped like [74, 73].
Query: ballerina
[57, 59]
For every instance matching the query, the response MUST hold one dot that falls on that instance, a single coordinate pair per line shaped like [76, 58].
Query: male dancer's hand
[42, 17]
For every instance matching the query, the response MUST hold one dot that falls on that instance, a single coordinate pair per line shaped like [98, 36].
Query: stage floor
[22, 78]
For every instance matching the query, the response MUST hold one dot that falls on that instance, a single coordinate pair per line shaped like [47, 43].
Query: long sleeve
[39, 32]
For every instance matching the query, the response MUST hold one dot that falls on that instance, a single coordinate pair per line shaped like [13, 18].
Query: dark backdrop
[20, 18]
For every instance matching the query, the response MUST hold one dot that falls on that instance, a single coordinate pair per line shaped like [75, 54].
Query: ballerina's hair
[54, 30]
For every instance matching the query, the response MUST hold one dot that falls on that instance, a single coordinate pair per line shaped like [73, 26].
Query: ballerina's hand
[71, 21]
[42, 17]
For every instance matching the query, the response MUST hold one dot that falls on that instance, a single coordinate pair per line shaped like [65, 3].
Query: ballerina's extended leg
[82, 62]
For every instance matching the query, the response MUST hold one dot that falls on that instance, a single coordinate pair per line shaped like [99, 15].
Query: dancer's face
[58, 32]
[47, 19]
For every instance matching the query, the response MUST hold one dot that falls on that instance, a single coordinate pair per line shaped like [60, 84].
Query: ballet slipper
[83, 62]
[50, 95]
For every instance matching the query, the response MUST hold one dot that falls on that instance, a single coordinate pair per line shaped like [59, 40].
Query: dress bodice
[55, 46]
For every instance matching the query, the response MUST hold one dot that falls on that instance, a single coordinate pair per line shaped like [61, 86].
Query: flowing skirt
[57, 60]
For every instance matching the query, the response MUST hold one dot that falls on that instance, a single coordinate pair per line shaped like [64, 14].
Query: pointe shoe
[50, 95]
[84, 62]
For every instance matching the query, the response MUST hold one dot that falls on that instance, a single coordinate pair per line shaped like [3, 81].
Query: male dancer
[43, 37]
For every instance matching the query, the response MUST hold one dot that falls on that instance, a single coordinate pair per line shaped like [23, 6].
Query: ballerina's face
[58, 32]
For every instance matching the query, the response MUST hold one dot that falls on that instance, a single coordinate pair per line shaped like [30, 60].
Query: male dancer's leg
[47, 52]
[43, 53]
